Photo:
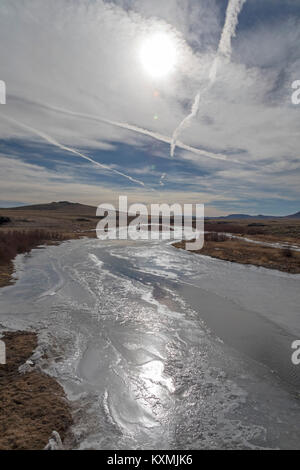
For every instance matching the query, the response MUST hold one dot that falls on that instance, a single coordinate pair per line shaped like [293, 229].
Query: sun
[158, 55]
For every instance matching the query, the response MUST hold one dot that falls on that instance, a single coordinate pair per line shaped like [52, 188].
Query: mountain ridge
[76, 206]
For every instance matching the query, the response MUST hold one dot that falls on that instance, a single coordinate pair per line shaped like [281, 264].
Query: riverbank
[17, 242]
[135, 336]
[6, 272]
[32, 404]
[240, 251]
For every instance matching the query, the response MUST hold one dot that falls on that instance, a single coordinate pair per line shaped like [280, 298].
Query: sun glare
[158, 55]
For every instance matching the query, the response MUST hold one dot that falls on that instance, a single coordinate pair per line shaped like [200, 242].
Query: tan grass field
[247, 253]
[33, 404]
[62, 221]
[27, 228]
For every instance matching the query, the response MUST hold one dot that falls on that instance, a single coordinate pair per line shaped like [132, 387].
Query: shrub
[215, 237]
[4, 220]
[254, 231]
[256, 224]
[287, 252]
[230, 228]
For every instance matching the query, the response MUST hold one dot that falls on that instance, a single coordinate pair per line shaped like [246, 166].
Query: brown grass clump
[32, 405]
[287, 252]
[215, 237]
[240, 251]
[4, 220]
[14, 242]
[225, 227]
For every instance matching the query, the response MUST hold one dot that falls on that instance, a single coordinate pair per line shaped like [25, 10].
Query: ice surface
[160, 348]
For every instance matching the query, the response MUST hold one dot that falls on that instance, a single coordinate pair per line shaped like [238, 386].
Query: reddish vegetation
[15, 242]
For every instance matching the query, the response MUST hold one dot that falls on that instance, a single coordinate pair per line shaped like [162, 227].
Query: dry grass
[28, 228]
[238, 229]
[14, 242]
[6, 271]
[249, 253]
[33, 404]
[215, 237]
[75, 221]
[271, 230]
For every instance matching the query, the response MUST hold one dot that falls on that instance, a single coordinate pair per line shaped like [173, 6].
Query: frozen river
[163, 349]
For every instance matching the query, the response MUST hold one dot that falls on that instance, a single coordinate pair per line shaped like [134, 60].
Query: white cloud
[83, 56]
[43, 185]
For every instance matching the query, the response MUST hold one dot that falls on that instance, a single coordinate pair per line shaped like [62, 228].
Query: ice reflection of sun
[153, 375]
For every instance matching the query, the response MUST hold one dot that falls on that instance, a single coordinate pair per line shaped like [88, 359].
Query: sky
[85, 121]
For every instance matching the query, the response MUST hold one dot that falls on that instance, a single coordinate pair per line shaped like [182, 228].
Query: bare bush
[287, 252]
[215, 237]
[229, 228]
[15, 242]
[4, 220]
[254, 231]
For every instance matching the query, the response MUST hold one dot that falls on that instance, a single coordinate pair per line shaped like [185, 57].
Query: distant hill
[260, 216]
[294, 216]
[77, 208]
[53, 209]
[61, 206]
[245, 216]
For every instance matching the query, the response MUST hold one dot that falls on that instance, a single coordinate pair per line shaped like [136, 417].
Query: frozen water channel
[163, 349]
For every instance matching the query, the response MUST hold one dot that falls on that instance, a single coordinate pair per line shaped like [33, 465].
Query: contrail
[71, 150]
[224, 50]
[233, 10]
[136, 129]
